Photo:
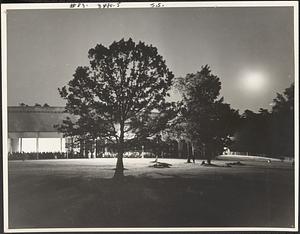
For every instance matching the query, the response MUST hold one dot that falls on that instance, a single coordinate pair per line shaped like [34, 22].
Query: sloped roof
[34, 119]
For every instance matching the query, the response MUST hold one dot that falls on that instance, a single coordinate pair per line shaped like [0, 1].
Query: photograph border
[111, 5]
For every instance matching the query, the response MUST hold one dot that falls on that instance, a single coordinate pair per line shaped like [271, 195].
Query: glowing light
[253, 82]
[29, 145]
[51, 145]
[43, 145]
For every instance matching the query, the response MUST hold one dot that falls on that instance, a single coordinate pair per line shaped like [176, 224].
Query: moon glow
[253, 82]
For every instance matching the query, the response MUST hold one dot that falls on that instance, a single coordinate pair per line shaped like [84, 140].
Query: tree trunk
[188, 159]
[209, 157]
[188, 152]
[193, 152]
[119, 172]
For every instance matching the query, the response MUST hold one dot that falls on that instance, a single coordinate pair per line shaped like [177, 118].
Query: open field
[81, 193]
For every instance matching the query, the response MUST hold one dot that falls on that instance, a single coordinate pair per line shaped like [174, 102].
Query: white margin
[174, 229]
[4, 116]
[296, 111]
[111, 5]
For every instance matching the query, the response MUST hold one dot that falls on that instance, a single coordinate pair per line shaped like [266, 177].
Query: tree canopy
[209, 121]
[115, 96]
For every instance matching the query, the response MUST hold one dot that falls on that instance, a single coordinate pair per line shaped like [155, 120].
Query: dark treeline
[268, 132]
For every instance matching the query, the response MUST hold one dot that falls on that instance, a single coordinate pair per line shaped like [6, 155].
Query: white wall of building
[52, 145]
[29, 145]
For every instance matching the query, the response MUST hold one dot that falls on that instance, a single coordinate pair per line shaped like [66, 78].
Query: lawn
[80, 193]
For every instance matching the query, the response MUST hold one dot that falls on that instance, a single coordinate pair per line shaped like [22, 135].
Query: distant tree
[45, 105]
[22, 104]
[253, 133]
[284, 103]
[283, 123]
[38, 105]
[269, 132]
[114, 97]
[209, 121]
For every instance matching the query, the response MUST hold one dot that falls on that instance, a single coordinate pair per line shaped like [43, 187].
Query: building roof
[34, 119]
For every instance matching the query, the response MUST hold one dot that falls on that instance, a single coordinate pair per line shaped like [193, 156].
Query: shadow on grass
[125, 169]
[56, 201]
[214, 165]
[236, 164]
[160, 165]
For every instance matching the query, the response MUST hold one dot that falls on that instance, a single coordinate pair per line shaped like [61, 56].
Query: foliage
[209, 121]
[252, 134]
[269, 132]
[114, 97]
[284, 103]
[282, 140]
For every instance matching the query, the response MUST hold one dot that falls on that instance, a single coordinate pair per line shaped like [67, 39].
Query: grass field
[80, 193]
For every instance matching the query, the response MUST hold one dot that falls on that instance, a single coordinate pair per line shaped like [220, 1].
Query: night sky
[250, 49]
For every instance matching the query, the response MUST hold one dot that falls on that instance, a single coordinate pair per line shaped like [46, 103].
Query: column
[20, 145]
[14, 145]
[67, 142]
[179, 149]
[143, 151]
[193, 150]
[61, 144]
[37, 147]
[9, 145]
[105, 148]
[96, 148]
[184, 149]
[82, 150]
[188, 149]
[93, 148]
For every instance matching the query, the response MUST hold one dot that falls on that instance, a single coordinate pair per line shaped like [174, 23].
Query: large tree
[209, 121]
[115, 96]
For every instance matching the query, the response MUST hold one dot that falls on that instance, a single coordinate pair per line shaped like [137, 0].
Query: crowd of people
[32, 156]
[64, 155]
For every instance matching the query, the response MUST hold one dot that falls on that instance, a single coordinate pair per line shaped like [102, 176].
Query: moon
[253, 82]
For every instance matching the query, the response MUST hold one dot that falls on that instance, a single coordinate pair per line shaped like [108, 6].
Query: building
[31, 129]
